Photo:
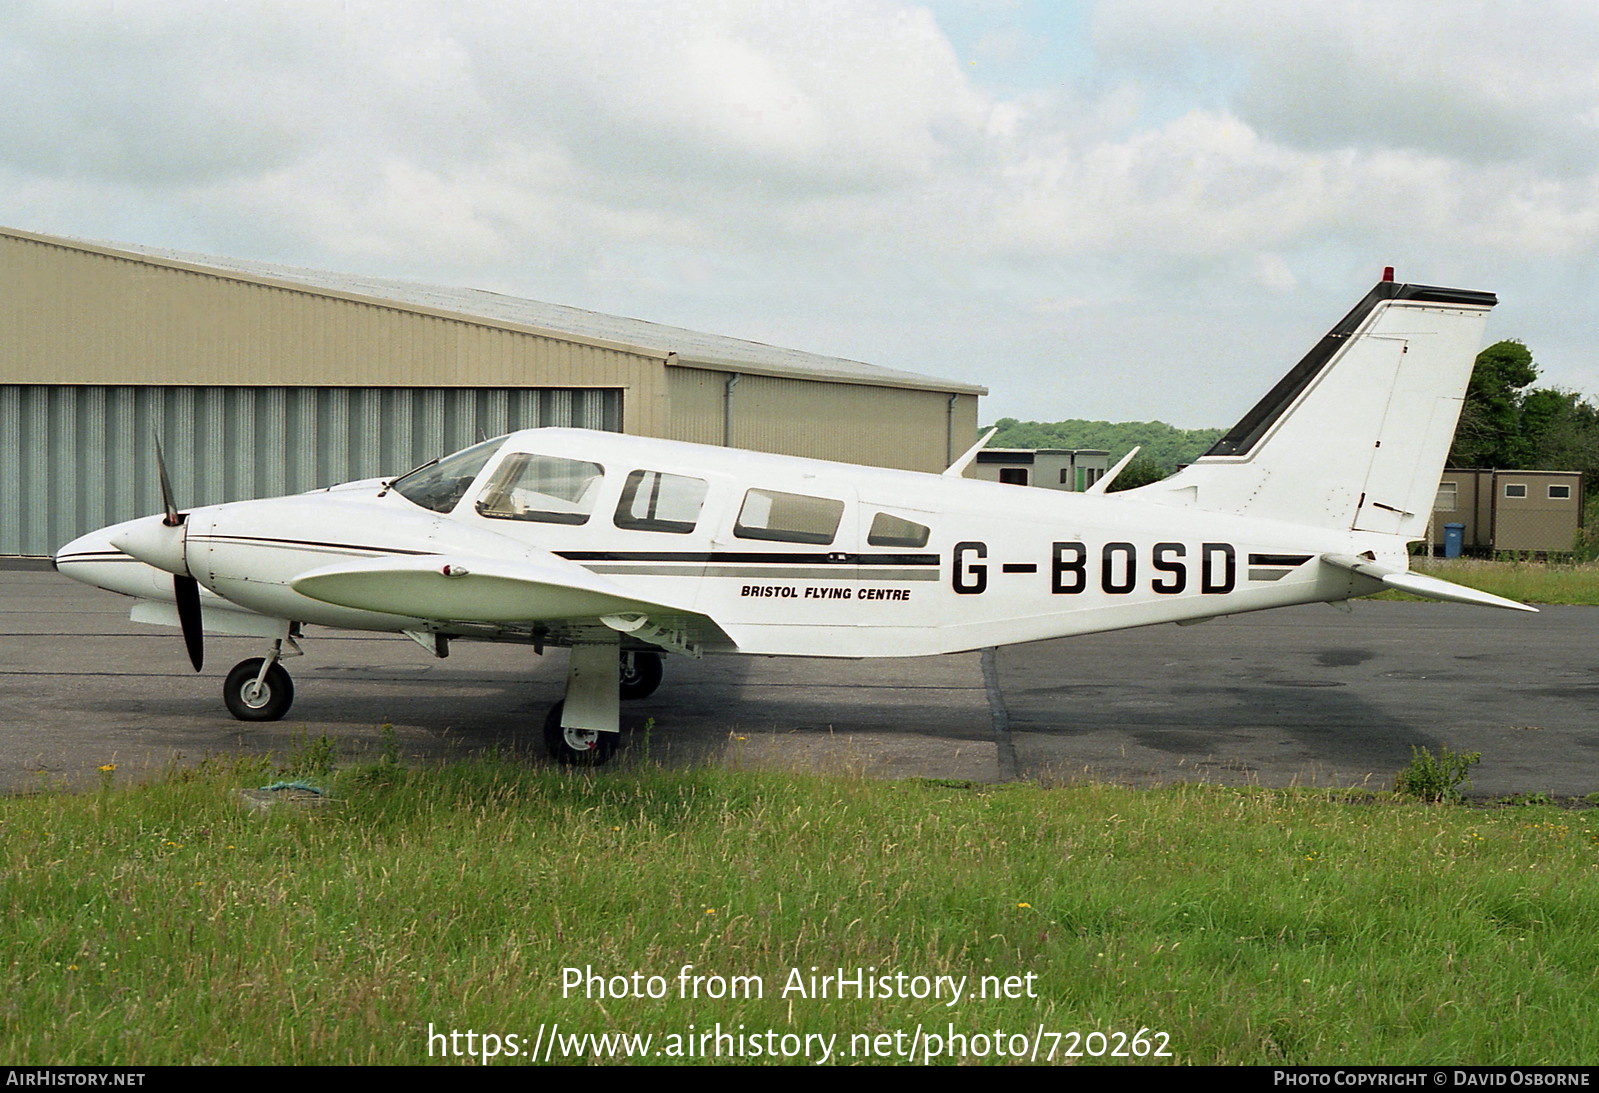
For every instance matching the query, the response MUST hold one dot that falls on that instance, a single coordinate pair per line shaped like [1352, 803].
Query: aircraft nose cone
[83, 554]
[153, 542]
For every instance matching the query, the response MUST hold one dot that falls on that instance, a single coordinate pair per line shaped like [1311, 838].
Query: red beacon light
[1388, 273]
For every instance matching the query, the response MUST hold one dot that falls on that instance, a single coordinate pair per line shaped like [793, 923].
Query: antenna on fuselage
[958, 468]
[1109, 476]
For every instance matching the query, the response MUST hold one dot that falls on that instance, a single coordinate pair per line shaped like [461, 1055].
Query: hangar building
[265, 380]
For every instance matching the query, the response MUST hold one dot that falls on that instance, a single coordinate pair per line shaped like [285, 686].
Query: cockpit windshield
[441, 484]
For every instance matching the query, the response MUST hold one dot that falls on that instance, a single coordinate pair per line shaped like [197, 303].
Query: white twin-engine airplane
[623, 547]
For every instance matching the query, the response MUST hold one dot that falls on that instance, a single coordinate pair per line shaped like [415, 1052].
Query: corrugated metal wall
[697, 396]
[75, 458]
[69, 316]
[262, 387]
[849, 422]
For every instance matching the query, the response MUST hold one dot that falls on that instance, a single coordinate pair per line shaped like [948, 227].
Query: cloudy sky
[1124, 210]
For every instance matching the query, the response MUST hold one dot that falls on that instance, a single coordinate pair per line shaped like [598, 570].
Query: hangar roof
[675, 345]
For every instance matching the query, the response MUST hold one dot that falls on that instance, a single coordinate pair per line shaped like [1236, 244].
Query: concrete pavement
[1300, 696]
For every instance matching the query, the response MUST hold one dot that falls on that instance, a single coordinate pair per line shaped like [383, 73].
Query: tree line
[1164, 447]
[1505, 424]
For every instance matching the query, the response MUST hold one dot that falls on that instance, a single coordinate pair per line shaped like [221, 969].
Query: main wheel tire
[577, 747]
[247, 702]
[641, 674]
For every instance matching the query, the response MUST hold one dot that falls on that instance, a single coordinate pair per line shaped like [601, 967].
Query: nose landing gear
[258, 689]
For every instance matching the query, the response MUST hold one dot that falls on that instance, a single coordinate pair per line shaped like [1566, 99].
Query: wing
[477, 590]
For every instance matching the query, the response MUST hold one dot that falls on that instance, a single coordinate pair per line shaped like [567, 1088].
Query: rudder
[1357, 433]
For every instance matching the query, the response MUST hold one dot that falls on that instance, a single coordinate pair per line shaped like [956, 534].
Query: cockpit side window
[788, 517]
[546, 489]
[440, 485]
[892, 531]
[656, 501]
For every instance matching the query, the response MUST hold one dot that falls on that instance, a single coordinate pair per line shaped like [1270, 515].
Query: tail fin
[1356, 434]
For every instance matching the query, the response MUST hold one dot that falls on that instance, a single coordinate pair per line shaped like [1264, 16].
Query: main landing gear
[577, 747]
[640, 674]
[583, 730]
[258, 689]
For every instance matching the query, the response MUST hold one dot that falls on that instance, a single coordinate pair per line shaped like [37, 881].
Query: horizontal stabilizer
[1419, 584]
[474, 589]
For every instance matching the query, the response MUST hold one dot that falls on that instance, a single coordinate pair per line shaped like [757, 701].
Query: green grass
[166, 924]
[1523, 581]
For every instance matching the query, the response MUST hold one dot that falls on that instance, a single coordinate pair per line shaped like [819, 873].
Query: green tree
[1506, 427]
[1140, 472]
[1165, 446]
[1560, 431]
[1490, 433]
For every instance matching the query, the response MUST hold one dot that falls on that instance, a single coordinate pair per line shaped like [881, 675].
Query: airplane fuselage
[962, 564]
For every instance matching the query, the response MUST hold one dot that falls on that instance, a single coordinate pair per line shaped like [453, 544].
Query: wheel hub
[581, 739]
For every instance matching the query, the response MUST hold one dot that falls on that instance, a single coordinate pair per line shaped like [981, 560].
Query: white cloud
[1466, 79]
[829, 174]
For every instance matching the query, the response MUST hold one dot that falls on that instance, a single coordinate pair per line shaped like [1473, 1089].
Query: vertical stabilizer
[1356, 434]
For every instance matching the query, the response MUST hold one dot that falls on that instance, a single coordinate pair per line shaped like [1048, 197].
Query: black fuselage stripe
[95, 556]
[837, 558]
[747, 557]
[269, 541]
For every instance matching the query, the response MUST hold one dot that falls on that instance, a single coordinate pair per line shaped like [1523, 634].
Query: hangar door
[76, 458]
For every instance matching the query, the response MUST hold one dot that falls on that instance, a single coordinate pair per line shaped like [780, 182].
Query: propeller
[185, 589]
[173, 518]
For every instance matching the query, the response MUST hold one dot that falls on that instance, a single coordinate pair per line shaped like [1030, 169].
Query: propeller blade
[186, 591]
[173, 517]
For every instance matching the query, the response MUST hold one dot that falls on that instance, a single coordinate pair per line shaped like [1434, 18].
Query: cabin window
[1515, 489]
[440, 485]
[653, 501]
[891, 531]
[788, 517]
[1559, 493]
[543, 488]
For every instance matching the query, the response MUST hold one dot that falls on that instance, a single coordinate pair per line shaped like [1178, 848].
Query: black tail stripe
[1254, 425]
[1278, 559]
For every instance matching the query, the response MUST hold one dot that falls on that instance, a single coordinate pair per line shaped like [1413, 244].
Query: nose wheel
[254, 694]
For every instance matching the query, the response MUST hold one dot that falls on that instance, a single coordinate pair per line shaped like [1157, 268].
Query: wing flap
[473, 589]
[1419, 584]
